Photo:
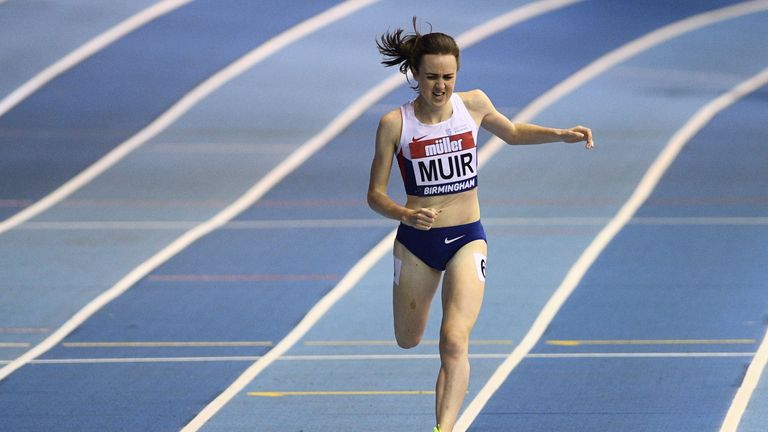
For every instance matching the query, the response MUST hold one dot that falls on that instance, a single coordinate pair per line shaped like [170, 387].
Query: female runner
[434, 138]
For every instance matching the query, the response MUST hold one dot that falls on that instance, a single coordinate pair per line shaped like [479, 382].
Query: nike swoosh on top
[414, 139]
[447, 241]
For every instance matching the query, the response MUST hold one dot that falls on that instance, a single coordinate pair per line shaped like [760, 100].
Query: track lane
[364, 305]
[684, 262]
[303, 208]
[129, 84]
[35, 35]
[83, 264]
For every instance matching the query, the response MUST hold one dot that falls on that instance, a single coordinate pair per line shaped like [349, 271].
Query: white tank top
[441, 158]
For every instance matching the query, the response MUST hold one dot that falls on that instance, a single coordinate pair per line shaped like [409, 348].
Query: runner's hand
[579, 133]
[422, 219]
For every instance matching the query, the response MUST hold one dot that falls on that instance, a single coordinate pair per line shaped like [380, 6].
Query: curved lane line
[181, 107]
[641, 193]
[751, 379]
[204, 89]
[86, 50]
[619, 55]
[384, 246]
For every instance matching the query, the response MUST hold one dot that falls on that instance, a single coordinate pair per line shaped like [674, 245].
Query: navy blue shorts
[438, 245]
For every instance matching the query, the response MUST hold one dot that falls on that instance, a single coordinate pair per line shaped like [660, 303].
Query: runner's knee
[454, 344]
[406, 340]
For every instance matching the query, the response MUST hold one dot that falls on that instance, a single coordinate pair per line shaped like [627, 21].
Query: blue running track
[139, 299]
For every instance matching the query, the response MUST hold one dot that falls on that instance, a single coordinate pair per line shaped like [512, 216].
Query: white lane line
[129, 360]
[218, 344]
[88, 49]
[491, 356]
[384, 246]
[640, 194]
[651, 178]
[625, 52]
[507, 20]
[184, 104]
[746, 389]
[644, 188]
[106, 225]
[318, 310]
[378, 222]
[384, 357]
[242, 203]
[185, 225]
[681, 220]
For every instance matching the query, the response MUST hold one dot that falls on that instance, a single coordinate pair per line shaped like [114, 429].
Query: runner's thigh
[412, 292]
[463, 286]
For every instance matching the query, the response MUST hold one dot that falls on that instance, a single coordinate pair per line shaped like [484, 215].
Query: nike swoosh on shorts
[447, 241]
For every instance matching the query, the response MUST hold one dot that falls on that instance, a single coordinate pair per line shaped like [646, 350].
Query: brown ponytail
[407, 50]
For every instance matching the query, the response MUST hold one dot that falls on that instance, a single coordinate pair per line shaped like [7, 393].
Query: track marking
[23, 330]
[184, 104]
[166, 344]
[385, 245]
[570, 343]
[107, 225]
[379, 357]
[748, 385]
[241, 277]
[86, 50]
[14, 203]
[621, 54]
[15, 344]
[344, 393]
[315, 313]
[700, 221]
[639, 355]
[208, 344]
[225, 215]
[641, 193]
[354, 343]
[379, 222]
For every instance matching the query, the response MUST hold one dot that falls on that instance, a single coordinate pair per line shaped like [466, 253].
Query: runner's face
[436, 78]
